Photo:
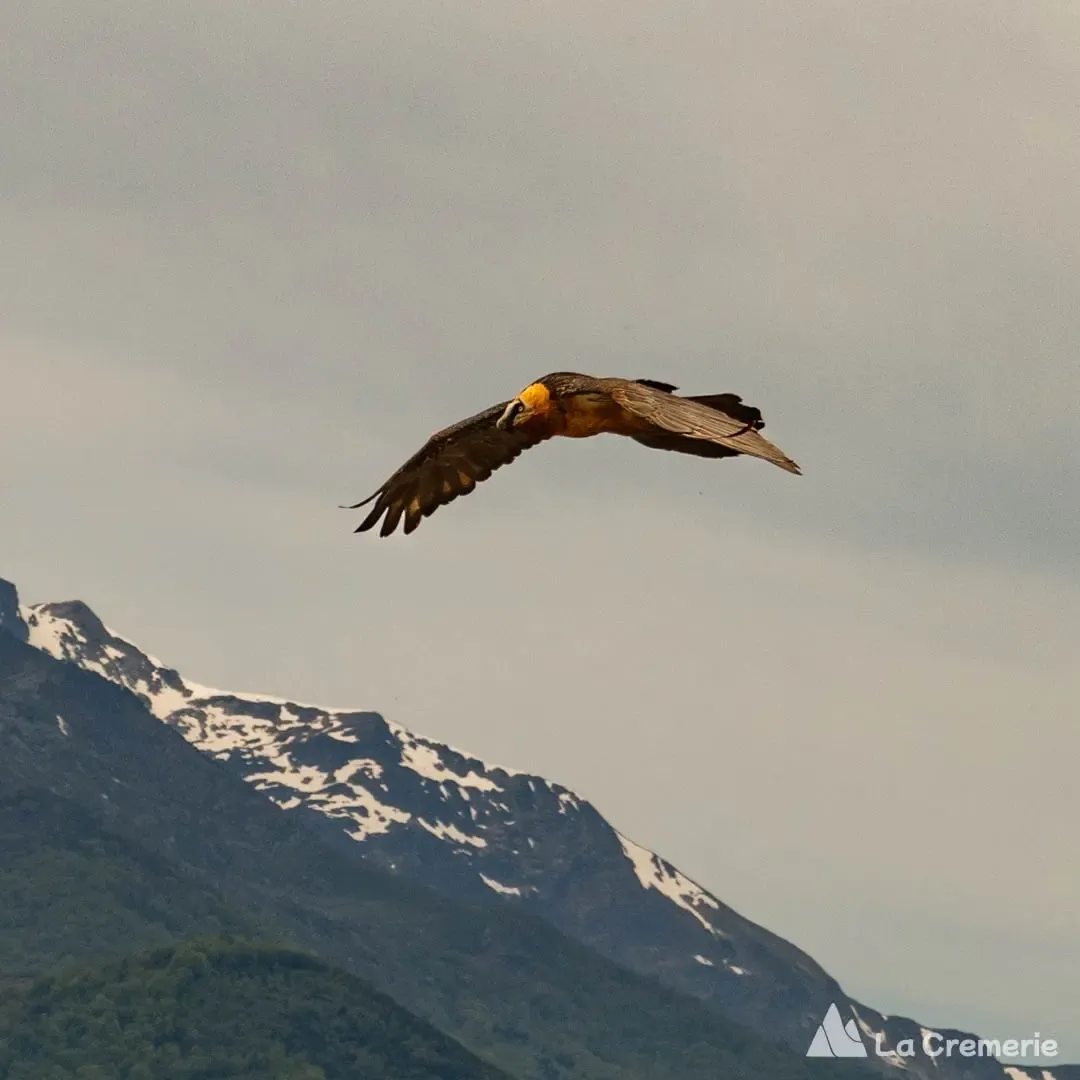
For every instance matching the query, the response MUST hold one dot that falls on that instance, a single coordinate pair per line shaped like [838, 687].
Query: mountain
[475, 832]
[222, 1009]
[118, 833]
[486, 835]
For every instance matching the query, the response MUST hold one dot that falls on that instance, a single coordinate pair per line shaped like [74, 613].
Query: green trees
[219, 1009]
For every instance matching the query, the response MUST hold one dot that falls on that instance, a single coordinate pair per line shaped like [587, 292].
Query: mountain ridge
[470, 829]
[122, 834]
[480, 833]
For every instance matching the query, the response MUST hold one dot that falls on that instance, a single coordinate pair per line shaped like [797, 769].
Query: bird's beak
[506, 421]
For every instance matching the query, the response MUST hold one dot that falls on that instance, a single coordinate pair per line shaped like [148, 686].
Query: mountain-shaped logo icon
[835, 1039]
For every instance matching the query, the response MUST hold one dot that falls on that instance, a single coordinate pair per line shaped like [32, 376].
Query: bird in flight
[453, 461]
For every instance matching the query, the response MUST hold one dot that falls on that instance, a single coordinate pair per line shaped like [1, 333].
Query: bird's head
[533, 401]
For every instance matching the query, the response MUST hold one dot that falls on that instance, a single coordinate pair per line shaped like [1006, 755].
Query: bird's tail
[732, 405]
[756, 445]
[748, 441]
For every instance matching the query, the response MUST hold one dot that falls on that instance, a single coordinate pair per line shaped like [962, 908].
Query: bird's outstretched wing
[451, 463]
[720, 420]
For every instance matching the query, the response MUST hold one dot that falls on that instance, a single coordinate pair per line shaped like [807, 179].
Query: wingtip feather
[356, 506]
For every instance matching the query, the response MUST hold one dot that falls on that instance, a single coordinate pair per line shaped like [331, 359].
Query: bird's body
[579, 415]
[570, 405]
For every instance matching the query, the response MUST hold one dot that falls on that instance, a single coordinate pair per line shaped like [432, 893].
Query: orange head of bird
[533, 401]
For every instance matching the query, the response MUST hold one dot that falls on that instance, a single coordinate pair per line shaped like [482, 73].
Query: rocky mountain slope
[485, 834]
[118, 834]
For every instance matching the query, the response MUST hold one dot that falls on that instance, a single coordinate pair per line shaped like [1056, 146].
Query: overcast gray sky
[253, 254]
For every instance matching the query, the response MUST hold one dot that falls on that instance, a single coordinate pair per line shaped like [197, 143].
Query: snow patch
[497, 886]
[874, 1034]
[703, 960]
[451, 832]
[61, 723]
[656, 873]
[61, 638]
[425, 760]
[360, 807]
[305, 778]
[48, 633]
[365, 766]
[866, 1028]
[344, 736]
[209, 693]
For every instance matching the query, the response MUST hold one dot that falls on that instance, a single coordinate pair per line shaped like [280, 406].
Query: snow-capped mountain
[486, 834]
[427, 810]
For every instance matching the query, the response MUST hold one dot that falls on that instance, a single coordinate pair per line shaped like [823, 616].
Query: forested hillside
[214, 1009]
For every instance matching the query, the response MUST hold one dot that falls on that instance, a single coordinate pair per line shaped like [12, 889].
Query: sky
[253, 254]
